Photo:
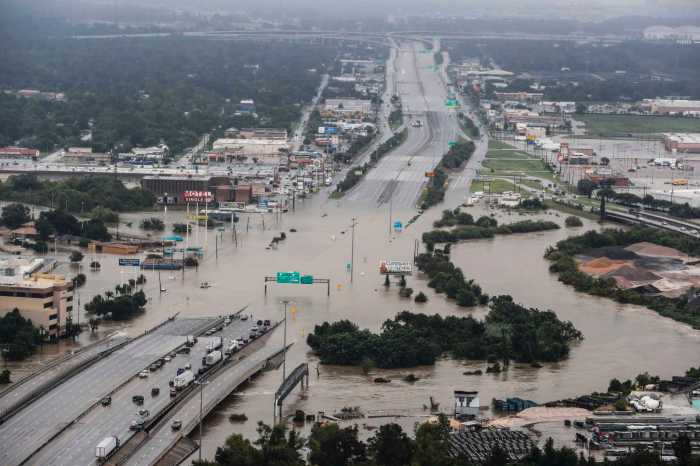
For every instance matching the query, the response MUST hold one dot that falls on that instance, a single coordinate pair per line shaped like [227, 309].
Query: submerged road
[399, 177]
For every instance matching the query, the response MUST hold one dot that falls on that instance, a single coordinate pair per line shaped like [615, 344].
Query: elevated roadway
[36, 424]
[655, 220]
[162, 438]
[75, 444]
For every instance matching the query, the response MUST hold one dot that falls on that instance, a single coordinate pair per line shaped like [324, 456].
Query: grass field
[497, 186]
[608, 125]
[503, 160]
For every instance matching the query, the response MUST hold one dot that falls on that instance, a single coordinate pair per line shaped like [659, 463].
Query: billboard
[198, 196]
[388, 267]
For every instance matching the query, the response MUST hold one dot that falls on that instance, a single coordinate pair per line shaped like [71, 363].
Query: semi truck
[213, 358]
[106, 448]
[183, 380]
[232, 348]
[214, 345]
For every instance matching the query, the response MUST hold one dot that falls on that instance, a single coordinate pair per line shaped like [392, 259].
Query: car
[227, 321]
[143, 374]
[167, 359]
[106, 401]
[188, 366]
[136, 425]
[155, 391]
[259, 323]
[266, 323]
[138, 399]
[244, 317]
[153, 367]
[173, 392]
[143, 413]
[201, 370]
[176, 425]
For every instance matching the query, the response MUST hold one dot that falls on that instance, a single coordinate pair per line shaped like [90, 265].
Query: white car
[143, 374]
[166, 359]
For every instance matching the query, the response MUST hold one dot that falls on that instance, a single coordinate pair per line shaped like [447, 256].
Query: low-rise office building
[45, 299]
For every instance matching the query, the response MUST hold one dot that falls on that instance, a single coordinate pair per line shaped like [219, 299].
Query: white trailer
[106, 448]
[213, 358]
[215, 344]
[183, 380]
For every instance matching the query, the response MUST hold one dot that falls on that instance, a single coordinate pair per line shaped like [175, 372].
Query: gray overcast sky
[584, 9]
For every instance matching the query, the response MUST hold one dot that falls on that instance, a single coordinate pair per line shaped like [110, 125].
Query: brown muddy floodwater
[620, 341]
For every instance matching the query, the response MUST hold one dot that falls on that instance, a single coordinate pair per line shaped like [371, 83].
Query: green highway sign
[307, 279]
[288, 277]
[451, 143]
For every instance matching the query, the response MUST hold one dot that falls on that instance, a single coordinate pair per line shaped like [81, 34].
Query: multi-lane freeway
[61, 426]
[400, 176]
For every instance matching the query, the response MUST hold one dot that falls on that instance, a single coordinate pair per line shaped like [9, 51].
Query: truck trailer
[183, 379]
[213, 358]
[214, 345]
[106, 448]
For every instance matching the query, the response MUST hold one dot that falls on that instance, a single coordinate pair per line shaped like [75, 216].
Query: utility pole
[201, 384]
[352, 249]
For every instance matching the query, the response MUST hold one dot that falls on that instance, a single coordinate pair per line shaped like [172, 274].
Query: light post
[201, 384]
[352, 249]
[286, 302]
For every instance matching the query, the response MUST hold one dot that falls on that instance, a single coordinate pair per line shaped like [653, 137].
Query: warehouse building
[259, 151]
[18, 153]
[672, 106]
[688, 143]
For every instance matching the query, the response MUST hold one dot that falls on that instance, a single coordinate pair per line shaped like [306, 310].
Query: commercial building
[688, 143]
[528, 97]
[263, 133]
[146, 154]
[174, 187]
[260, 151]
[45, 299]
[85, 156]
[347, 108]
[672, 106]
[246, 106]
[18, 152]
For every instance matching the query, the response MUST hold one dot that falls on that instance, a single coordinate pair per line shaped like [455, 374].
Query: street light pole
[284, 348]
[352, 250]
[201, 384]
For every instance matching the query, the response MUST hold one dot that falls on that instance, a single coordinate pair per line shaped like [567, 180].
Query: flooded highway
[620, 340]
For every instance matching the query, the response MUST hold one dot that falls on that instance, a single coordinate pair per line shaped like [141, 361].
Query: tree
[96, 229]
[390, 446]
[573, 221]
[683, 450]
[79, 280]
[153, 223]
[585, 187]
[76, 256]
[432, 440]
[421, 297]
[5, 377]
[332, 446]
[15, 215]
[17, 334]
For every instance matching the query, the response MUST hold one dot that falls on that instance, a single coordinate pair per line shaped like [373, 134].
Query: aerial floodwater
[620, 341]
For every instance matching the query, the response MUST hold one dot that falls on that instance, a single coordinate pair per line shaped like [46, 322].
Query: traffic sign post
[296, 278]
[129, 262]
